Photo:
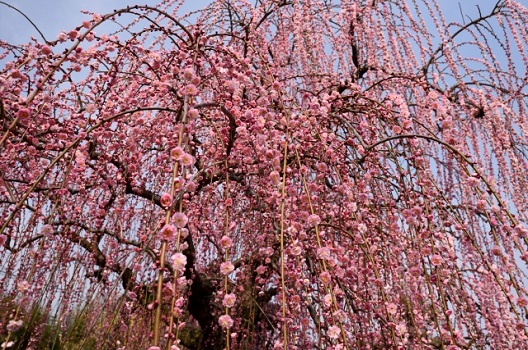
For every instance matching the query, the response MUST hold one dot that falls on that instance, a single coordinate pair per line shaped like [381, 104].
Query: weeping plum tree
[278, 174]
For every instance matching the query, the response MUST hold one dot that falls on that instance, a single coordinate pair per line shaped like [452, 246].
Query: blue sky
[52, 16]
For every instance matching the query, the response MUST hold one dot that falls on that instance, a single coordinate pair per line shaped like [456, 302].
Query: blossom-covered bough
[269, 174]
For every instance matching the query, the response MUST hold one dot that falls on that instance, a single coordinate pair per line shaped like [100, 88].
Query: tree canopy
[268, 174]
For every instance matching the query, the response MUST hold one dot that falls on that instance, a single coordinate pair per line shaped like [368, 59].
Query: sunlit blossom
[179, 261]
[177, 153]
[226, 267]
[392, 308]
[436, 260]
[180, 219]
[333, 332]
[168, 232]
[325, 277]
[190, 90]
[166, 200]
[226, 242]
[188, 74]
[313, 220]
[296, 250]
[193, 113]
[275, 176]
[401, 329]
[324, 253]
[187, 159]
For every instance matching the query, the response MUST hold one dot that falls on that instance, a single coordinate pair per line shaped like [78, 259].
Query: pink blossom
[62, 37]
[447, 123]
[275, 177]
[47, 230]
[168, 232]
[178, 183]
[192, 186]
[362, 228]
[23, 114]
[324, 253]
[436, 260]
[229, 300]
[340, 315]
[180, 219]
[261, 269]
[187, 159]
[73, 34]
[193, 113]
[15, 74]
[184, 233]
[188, 74]
[325, 277]
[226, 267]
[226, 242]
[327, 300]
[23, 286]
[177, 153]
[313, 220]
[190, 90]
[296, 250]
[496, 250]
[521, 231]
[166, 200]
[522, 302]
[179, 261]
[80, 158]
[225, 321]
[401, 329]
[472, 181]
[322, 167]
[152, 305]
[481, 205]
[392, 308]
[333, 332]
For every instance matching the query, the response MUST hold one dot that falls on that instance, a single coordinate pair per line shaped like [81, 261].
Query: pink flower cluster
[185, 158]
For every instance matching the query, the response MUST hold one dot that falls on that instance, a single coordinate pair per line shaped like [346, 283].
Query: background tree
[270, 174]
